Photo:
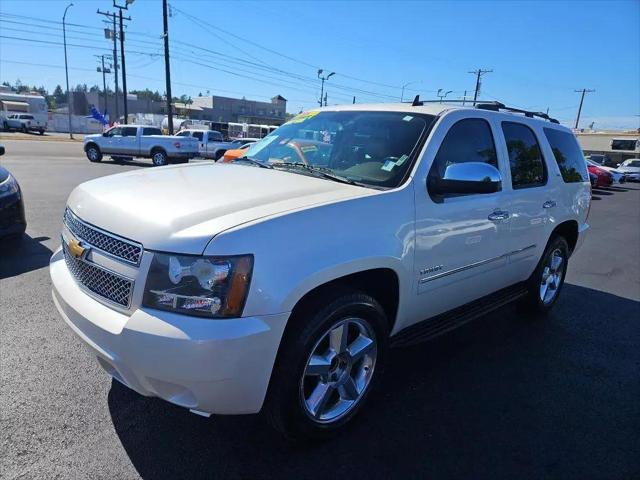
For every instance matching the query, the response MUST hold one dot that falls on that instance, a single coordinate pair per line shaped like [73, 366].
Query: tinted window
[26, 117]
[568, 155]
[197, 135]
[469, 140]
[151, 131]
[525, 158]
[623, 144]
[215, 137]
[129, 131]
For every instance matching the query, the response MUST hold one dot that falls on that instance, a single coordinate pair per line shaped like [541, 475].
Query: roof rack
[488, 105]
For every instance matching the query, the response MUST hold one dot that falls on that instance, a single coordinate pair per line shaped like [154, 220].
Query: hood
[93, 135]
[181, 208]
[628, 169]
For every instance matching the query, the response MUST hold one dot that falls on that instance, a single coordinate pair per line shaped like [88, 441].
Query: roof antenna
[416, 101]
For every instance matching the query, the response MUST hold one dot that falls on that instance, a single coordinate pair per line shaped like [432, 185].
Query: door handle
[549, 204]
[498, 215]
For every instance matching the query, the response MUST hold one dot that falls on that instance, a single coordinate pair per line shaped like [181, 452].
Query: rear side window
[197, 135]
[469, 140]
[525, 158]
[215, 137]
[151, 131]
[129, 131]
[571, 162]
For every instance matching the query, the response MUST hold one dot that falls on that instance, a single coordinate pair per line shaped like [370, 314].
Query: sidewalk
[47, 137]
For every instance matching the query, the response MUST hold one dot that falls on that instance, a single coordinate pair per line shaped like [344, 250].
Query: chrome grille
[102, 282]
[116, 246]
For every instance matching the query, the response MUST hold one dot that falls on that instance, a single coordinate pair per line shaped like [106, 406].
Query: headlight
[9, 186]
[212, 287]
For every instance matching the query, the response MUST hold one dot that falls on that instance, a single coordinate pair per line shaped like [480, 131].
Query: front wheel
[25, 129]
[159, 158]
[330, 360]
[545, 283]
[94, 154]
[41, 132]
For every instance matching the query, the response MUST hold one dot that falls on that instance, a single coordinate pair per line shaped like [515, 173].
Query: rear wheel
[25, 129]
[159, 158]
[330, 360]
[546, 282]
[93, 153]
[41, 131]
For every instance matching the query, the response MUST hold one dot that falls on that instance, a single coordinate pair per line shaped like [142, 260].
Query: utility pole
[124, 65]
[354, 100]
[464, 98]
[584, 90]
[478, 73]
[111, 34]
[325, 99]
[167, 67]
[104, 71]
[66, 68]
[323, 78]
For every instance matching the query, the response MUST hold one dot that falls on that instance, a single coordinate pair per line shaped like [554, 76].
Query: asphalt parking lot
[506, 396]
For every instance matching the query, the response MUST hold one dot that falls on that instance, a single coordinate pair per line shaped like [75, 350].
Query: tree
[94, 88]
[59, 95]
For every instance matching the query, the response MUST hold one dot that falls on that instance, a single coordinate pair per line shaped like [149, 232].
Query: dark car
[12, 220]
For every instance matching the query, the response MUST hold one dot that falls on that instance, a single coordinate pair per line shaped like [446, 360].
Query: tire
[25, 129]
[219, 154]
[551, 270]
[93, 153]
[5, 126]
[291, 405]
[159, 158]
[41, 132]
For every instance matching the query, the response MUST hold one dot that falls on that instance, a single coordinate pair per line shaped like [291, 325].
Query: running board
[435, 326]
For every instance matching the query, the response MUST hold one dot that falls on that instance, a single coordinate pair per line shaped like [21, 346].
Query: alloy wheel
[552, 274]
[339, 370]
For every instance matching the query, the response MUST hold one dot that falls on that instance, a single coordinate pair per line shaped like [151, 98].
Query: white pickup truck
[278, 282]
[211, 143]
[24, 122]
[130, 141]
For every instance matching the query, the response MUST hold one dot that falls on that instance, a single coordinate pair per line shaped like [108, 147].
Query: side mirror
[1, 149]
[467, 178]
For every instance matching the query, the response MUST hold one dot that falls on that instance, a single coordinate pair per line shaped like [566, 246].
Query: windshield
[371, 148]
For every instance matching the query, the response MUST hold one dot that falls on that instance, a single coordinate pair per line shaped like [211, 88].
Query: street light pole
[322, 86]
[66, 67]
[405, 86]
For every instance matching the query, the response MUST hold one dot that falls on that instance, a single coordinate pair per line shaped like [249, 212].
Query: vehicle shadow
[23, 255]
[133, 163]
[601, 191]
[617, 189]
[509, 395]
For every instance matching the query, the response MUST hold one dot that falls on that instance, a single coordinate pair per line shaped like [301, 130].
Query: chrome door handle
[549, 204]
[498, 215]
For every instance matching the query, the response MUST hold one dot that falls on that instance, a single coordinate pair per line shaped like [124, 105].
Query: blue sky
[539, 51]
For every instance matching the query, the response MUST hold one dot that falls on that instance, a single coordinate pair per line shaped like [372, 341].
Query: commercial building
[618, 146]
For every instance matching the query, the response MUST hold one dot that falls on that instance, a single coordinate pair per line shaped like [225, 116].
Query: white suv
[278, 282]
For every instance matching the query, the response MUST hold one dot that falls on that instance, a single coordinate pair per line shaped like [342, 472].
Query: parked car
[631, 169]
[593, 179]
[277, 286]
[24, 122]
[618, 176]
[604, 178]
[210, 142]
[602, 160]
[13, 222]
[140, 141]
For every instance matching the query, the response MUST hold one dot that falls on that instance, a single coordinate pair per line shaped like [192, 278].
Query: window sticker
[402, 159]
[303, 117]
[407, 118]
[309, 148]
[388, 166]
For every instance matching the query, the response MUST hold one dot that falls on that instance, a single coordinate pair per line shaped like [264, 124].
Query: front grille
[98, 280]
[116, 246]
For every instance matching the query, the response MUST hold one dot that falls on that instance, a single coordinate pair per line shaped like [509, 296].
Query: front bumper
[213, 366]
[12, 218]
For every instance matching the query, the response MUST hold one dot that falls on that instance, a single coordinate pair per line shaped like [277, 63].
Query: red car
[604, 178]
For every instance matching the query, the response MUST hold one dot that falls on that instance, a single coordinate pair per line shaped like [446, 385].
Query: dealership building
[618, 146]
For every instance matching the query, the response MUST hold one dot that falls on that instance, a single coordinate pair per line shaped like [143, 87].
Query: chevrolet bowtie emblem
[76, 249]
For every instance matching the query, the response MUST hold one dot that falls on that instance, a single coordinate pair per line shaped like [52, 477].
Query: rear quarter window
[568, 155]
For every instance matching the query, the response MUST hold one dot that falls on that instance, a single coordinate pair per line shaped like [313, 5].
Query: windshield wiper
[252, 161]
[322, 172]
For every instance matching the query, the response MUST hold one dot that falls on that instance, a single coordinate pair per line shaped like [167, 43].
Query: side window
[525, 158]
[129, 131]
[215, 137]
[568, 155]
[115, 132]
[184, 133]
[151, 131]
[197, 135]
[468, 140]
